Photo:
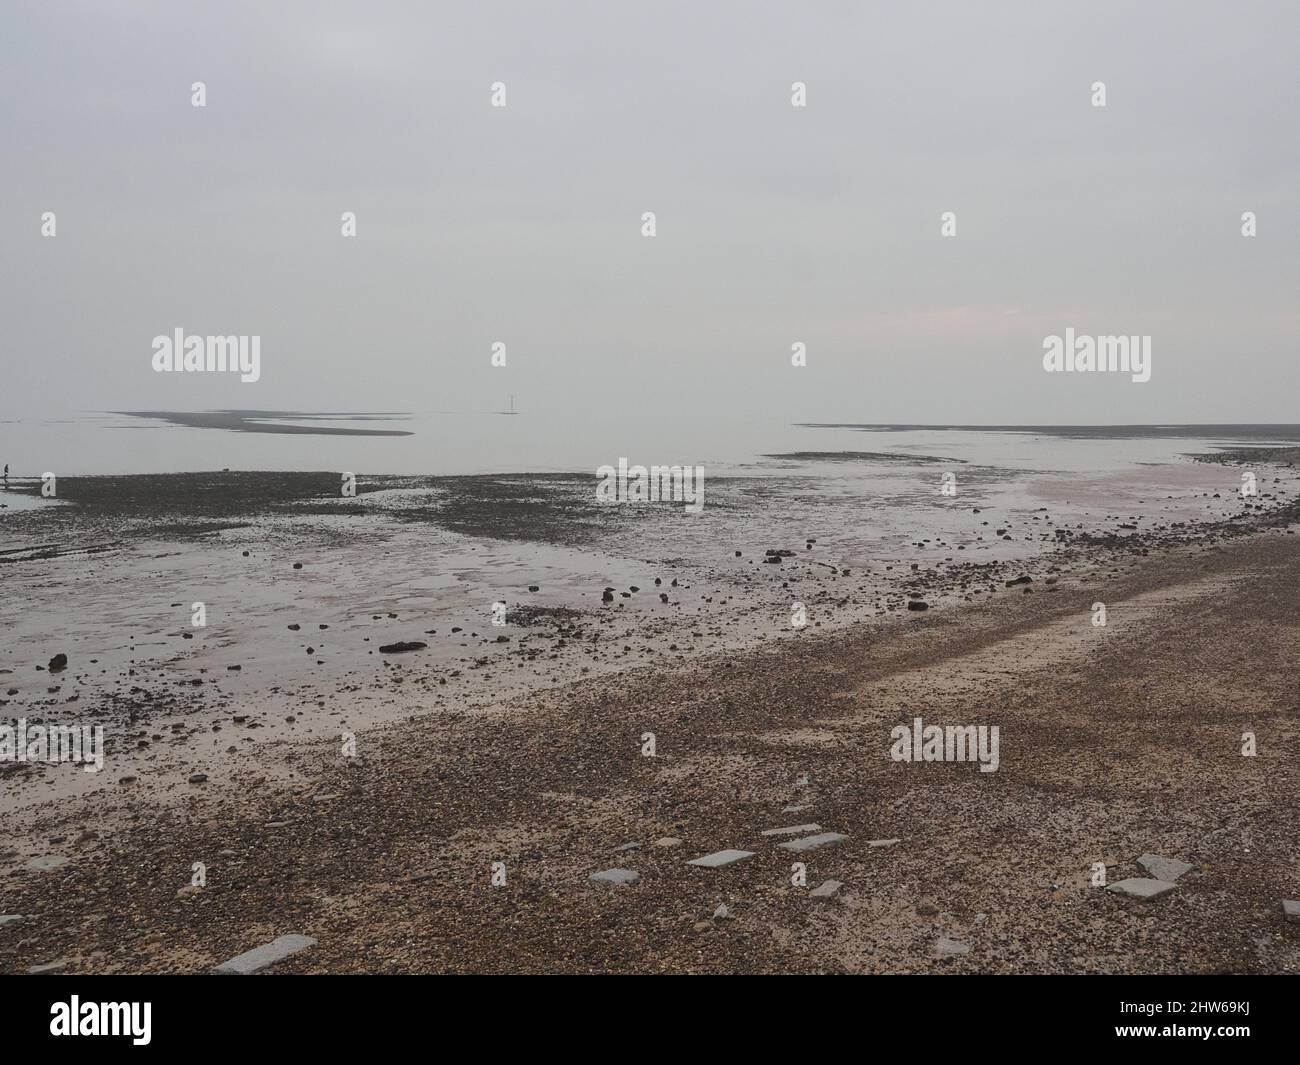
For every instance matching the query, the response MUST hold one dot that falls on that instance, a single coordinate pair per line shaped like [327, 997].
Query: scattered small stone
[668, 841]
[252, 961]
[633, 846]
[721, 913]
[198, 778]
[918, 604]
[58, 662]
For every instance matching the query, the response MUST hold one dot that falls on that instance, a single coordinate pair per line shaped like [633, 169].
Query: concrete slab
[1167, 869]
[811, 843]
[827, 891]
[950, 948]
[617, 876]
[720, 858]
[793, 830]
[259, 958]
[47, 862]
[1136, 887]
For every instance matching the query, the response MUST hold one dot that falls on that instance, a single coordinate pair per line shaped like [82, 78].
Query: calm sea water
[95, 443]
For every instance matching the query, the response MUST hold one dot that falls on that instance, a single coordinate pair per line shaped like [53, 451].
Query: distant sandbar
[271, 421]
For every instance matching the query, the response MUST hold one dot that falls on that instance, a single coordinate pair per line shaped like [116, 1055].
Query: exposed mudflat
[1115, 741]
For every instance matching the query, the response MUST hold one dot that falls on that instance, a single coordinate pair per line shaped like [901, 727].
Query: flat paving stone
[627, 847]
[793, 830]
[48, 967]
[11, 918]
[828, 890]
[882, 842]
[1291, 911]
[1162, 868]
[47, 862]
[617, 876]
[252, 961]
[668, 841]
[720, 858]
[811, 843]
[1137, 887]
[950, 948]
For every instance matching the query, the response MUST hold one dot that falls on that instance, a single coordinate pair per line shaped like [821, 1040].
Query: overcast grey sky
[775, 224]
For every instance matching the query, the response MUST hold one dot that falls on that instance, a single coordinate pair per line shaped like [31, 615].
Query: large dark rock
[402, 645]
